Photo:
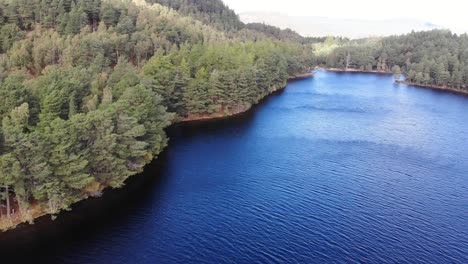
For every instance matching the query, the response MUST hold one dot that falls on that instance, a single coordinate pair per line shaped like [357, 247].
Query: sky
[452, 14]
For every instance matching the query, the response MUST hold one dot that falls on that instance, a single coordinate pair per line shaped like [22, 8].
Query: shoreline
[426, 86]
[352, 70]
[436, 87]
[36, 212]
[301, 76]
[240, 110]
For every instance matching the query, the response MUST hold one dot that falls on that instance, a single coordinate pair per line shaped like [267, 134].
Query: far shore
[427, 86]
[355, 70]
[436, 87]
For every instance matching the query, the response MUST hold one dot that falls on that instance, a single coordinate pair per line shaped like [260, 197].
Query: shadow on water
[204, 127]
[88, 220]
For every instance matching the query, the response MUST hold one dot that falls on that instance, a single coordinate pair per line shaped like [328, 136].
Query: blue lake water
[339, 168]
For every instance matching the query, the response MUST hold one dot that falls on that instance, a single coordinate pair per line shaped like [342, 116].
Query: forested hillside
[432, 58]
[88, 86]
[213, 12]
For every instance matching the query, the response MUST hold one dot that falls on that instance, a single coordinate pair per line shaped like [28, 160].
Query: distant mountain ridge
[312, 26]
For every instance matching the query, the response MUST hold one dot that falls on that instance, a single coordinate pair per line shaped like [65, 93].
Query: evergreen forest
[88, 87]
[430, 58]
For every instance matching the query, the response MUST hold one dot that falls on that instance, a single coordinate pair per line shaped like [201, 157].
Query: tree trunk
[7, 190]
[117, 54]
[348, 59]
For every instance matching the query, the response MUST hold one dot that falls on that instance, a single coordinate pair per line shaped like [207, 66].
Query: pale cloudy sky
[448, 13]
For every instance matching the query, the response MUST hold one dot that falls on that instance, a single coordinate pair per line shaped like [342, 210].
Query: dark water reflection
[339, 168]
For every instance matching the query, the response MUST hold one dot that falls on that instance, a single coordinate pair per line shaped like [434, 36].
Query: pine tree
[51, 106]
[161, 69]
[181, 82]
[396, 72]
[106, 97]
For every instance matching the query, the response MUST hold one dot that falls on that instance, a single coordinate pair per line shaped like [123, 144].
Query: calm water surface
[335, 169]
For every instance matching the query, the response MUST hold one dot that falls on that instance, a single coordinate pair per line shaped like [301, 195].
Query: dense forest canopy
[88, 86]
[213, 12]
[434, 58]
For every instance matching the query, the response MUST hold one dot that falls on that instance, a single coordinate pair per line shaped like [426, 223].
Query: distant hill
[213, 12]
[352, 28]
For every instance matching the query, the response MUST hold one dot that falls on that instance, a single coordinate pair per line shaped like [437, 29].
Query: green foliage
[435, 57]
[396, 72]
[88, 86]
[213, 12]
[223, 76]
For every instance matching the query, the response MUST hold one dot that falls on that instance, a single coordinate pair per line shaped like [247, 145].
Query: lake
[342, 167]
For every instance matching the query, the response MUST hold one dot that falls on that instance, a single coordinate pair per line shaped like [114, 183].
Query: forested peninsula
[88, 87]
[437, 58]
